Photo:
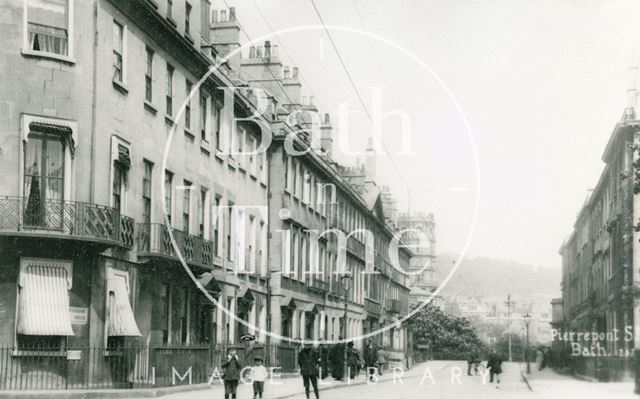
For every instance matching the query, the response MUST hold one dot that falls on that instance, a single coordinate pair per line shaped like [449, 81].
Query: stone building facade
[600, 264]
[131, 173]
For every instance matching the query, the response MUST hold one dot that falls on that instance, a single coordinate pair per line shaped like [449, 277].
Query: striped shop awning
[121, 320]
[43, 308]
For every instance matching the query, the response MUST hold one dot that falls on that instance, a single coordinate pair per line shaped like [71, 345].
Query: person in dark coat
[308, 360]
[337, 360]
[232, 369]
[353, 360]
[324, 353]
[473, 361]
[370, 357]
[494, 364]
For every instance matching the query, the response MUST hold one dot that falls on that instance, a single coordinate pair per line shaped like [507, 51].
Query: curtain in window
[44, 182]
[48, 39]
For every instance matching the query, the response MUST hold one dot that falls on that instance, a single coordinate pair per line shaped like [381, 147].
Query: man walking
[494, 364]
[232, 369]
[308, 361]
[381, 359]
[370, 356]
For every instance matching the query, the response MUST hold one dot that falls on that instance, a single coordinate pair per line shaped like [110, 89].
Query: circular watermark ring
[451, 98]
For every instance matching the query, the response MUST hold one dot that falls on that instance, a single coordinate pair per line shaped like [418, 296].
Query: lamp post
[346, 279]
[527, 321]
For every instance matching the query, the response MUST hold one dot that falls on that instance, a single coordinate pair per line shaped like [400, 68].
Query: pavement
[549, 384]
[433, 379]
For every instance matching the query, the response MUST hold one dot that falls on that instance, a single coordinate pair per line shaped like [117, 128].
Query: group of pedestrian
[494, 365]
[314, 363]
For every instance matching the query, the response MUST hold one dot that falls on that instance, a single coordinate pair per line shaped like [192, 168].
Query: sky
[539, 83]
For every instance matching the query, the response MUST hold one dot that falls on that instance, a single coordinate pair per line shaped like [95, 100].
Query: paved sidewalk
[550, 384]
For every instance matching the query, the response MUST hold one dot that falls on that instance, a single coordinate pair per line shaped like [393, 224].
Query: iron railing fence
[39, 368]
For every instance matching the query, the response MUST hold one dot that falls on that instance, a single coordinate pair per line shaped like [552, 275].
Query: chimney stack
[326, 135]
[225, 35]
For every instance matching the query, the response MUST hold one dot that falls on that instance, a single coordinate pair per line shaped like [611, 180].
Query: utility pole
[509, 324]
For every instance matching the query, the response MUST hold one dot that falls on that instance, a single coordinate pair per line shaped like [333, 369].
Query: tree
[449, 335]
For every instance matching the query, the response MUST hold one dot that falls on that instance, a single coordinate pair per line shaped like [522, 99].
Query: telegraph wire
[278, 80]
[264, 18]
[360, 99]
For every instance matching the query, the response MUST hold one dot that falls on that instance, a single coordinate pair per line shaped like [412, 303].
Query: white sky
[541, 82]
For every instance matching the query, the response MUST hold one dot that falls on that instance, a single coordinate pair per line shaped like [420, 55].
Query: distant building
[419, 234]
[507, 315]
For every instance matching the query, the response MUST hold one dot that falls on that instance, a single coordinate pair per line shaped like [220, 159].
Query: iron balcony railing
[372, 306]
[318, 284]
[84, 220]
[154, 239]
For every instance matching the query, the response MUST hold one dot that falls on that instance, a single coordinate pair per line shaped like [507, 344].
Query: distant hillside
[489, 278]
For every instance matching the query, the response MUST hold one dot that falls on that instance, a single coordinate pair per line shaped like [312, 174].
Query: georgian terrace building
[88, 268]
[93, 290]
[310, 194]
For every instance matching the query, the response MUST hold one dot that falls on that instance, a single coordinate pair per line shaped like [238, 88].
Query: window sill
[172, 21]
[205, 151]
[253, 177]
[218, 154]
[188, 134]
[51, 56]
[189, 38]
[263, 184]
[168, 119]
[149, 107]
[153, 3]
[120, 87]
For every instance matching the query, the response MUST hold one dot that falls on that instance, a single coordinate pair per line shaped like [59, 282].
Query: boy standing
[258, 376]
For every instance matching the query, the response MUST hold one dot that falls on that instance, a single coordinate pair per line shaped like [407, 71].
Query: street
[437, 379]
[434, 379]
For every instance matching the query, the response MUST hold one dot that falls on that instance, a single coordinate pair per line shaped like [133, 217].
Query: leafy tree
[444, 333]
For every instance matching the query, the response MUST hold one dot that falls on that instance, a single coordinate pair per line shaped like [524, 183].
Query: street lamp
[346, 280]
[527, 321]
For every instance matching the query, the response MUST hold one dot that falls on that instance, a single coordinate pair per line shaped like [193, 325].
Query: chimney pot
[267, 49]
[295, 73]
[311, 100]
[304, 100]
[326, 118]
[214, 16]
[259, 52]
[232, 13]
[286, 72]
[274, 50]
[223, 15]
[252, 52]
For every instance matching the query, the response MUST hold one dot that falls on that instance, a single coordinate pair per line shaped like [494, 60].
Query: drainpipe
[92, 168]
[267, 356]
